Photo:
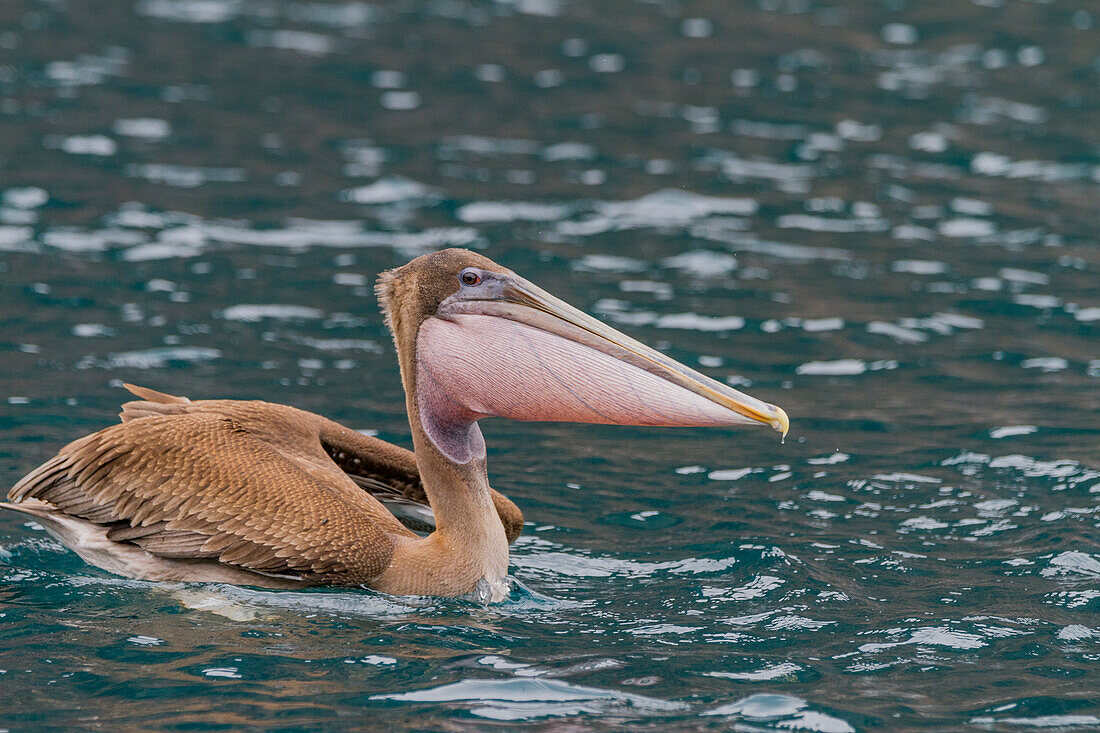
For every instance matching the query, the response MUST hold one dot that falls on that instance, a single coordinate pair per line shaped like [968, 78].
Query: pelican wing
[202, 485]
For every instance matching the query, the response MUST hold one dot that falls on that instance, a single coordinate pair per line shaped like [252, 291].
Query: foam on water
[526, 699]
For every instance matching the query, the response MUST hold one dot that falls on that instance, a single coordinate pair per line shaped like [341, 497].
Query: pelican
[259, 494]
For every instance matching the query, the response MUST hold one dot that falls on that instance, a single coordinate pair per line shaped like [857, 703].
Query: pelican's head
[477, 340]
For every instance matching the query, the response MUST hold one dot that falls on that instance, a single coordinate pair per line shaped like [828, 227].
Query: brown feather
[223, 491]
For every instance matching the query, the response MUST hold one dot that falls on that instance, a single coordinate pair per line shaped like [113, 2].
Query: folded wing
[204, 487]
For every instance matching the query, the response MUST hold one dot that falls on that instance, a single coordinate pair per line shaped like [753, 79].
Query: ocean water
[881, 216]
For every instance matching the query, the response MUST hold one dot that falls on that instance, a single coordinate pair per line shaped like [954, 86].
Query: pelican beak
[509, 348]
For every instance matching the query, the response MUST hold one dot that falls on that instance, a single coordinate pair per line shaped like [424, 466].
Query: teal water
[880, 216]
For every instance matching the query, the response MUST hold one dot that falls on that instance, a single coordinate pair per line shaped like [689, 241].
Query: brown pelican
[260, 494]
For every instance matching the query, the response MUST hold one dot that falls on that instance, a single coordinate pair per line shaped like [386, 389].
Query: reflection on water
[881, 217]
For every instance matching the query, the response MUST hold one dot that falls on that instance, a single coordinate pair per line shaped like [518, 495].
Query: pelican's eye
[470, 277]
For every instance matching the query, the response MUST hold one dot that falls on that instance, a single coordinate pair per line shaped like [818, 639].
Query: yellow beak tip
[781, 422]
